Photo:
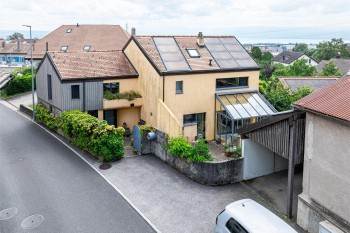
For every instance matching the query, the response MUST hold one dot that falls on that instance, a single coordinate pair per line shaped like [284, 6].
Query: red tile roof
[11, 47]
[99, 37]
[91, 65]
[332, 100]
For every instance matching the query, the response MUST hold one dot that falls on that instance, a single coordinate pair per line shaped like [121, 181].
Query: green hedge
[21, 83]
[87, 132]
[179, 146]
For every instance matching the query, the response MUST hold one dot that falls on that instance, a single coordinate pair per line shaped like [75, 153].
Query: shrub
[233, 151]
[129, 95]
[22, 82]
[87, 132]
[179, 146]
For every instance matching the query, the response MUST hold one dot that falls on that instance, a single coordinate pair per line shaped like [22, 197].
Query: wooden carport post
[291, 158]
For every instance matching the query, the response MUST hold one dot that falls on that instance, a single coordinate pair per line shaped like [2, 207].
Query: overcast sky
[261, 20]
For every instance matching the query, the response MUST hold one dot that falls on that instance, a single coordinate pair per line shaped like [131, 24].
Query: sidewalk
[25, 99]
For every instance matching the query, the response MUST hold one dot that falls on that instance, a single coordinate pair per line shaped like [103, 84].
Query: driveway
[24, 99]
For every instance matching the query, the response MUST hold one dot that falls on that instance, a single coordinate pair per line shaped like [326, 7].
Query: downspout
[163, 87]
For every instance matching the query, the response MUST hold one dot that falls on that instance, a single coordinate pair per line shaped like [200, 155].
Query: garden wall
[208, 173]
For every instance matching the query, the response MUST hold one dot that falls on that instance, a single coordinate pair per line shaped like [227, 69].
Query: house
[13, 53]
[86, 81]
[313, 82]
[287, 58]
[343, 65]
[81, 38]
[197, 85]
[324, 202]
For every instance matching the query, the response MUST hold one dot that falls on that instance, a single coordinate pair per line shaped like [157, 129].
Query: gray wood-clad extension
[91, 92]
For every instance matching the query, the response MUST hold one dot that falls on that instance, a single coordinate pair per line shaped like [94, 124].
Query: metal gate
[136, 138]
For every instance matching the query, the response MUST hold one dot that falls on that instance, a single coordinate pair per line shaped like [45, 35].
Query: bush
[129, 95]
[22, 82]
[87, 132]
[179, 146]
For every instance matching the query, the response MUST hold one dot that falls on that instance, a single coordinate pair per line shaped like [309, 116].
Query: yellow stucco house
[196, 85]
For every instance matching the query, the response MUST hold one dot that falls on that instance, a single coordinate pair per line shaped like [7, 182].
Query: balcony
[122, 103]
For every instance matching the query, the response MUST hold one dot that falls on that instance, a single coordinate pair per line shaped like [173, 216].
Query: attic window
[87, 48]
[193, 53]
[64, 48]
[69, 30]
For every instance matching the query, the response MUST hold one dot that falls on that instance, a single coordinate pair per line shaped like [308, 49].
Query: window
[49, 87]
[69, 30]
[190, 119]
[226, 83]
[64, 48]
[179, 85]
[111, 88]
[193, 53]
[75, 92]
[234, 227]
[87, 48]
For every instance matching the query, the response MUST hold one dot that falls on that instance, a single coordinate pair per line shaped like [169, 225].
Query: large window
[234, 227]
[227, 83]
[75, 92]
[111, 88]
[49, 87]
[179, 87]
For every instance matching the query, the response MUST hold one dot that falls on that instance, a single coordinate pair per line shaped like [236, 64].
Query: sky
[248, 20]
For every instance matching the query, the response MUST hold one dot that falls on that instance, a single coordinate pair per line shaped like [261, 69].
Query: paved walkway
[25, 99]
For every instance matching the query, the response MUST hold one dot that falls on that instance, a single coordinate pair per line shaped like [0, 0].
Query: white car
[248, 216]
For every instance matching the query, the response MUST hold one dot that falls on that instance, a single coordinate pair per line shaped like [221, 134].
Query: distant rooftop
[12, 46]
[314, 82]
[287, 57]
[76, 37]
[343, 65]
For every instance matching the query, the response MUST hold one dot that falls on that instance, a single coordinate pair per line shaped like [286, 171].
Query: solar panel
[229, 53]
[171, 54]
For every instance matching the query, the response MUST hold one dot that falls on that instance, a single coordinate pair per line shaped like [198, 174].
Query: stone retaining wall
[208, 173]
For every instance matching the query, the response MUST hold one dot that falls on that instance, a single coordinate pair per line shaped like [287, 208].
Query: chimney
[200, 40]
[283, 57]
[133, 31]
[3, 44]
[18, 44]
[47, 46]
[210, 60]
[77, 24]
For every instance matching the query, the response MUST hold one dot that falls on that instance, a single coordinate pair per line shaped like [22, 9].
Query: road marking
[91, 165]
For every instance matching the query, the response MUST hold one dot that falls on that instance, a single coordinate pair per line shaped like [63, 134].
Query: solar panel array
[171, 54]
[229, 53]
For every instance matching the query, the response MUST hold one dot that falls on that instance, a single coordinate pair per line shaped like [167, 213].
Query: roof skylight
[87, 48]
[69, 30]
[64, 48]
[193, 53]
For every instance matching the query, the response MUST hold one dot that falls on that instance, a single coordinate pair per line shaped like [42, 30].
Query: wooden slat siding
[41, 81]
[275, 137]
[94, 95]
[67, 102]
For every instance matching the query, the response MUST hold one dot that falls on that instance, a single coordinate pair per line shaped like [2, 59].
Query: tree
[301, 68]
[330, 69]
[302, 47]
[256, 53]
[267, 57]
[15, 36]
[330, 49]
[311, 52]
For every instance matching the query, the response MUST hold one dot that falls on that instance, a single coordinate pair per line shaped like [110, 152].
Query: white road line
[91, 165]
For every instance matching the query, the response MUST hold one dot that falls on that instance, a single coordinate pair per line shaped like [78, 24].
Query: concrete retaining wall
[208, 173]
[26, 110]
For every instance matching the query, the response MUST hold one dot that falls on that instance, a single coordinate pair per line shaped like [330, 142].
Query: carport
[283, 134]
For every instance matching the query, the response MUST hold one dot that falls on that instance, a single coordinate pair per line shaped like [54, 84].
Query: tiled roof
[91, 65]
[343, 65]
[99, 37]
[314, 82]
[148, 45]
[11, 47]
[287, 57]
[332, 100]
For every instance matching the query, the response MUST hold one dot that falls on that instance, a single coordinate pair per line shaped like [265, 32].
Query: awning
[245, 105]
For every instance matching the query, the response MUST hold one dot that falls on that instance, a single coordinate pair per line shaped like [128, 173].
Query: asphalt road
[39, 175]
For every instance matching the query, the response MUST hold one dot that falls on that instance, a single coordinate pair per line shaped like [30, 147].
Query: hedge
[87, 132]
[21, 83]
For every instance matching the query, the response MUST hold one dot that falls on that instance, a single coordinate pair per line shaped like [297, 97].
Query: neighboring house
[274, 50]
[343, 65]
[13, 52]
[197, 85]
[68, 38]
[325, 199]
[80, 80]
[287, 58]
[313, 82]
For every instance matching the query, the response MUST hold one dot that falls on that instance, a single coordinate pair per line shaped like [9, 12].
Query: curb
[13, 108]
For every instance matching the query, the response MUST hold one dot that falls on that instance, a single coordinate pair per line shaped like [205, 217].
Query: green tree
[311, 52]
[267, 57]
[15, 36]
[330, 49]
[302, 47]
[256, 53]
[330, 69]
[301, 68]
